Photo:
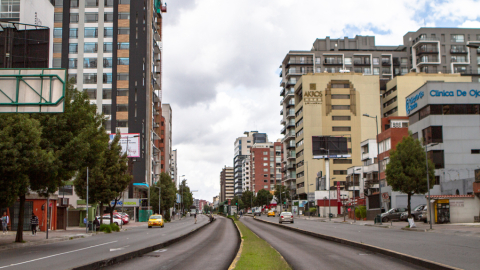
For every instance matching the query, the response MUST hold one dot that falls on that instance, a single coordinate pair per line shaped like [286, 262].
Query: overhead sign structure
[130, 141]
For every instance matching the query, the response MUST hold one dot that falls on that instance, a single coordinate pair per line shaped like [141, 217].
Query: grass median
[257, 253]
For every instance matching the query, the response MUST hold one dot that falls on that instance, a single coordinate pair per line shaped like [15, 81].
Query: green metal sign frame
[22, 78]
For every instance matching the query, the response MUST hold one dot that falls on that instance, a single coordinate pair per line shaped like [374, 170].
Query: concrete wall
[462, 210]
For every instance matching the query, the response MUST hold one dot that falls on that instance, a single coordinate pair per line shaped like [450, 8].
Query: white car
[106, 220]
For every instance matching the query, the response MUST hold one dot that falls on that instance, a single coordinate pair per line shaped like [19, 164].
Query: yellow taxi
[156, 221]
[271, 214]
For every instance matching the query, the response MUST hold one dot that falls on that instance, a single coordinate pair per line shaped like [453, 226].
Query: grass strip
[257, 253]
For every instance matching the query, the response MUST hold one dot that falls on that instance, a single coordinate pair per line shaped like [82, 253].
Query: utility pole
[87, 205]
[159, 194]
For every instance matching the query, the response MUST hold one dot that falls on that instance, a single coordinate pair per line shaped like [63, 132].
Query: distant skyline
[222, 58]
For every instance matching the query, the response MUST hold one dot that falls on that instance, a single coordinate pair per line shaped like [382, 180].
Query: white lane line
[63, 253]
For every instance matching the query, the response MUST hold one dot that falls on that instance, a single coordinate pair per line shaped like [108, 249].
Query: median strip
[137, 253]
[256, 253]
[405, 257]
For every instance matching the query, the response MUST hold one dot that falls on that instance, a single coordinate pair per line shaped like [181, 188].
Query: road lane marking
[63, 253]
[160, 250]
[117, 249]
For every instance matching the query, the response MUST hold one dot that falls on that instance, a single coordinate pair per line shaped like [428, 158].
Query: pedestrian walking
[195, 216]
[34, 224]
[5, 221]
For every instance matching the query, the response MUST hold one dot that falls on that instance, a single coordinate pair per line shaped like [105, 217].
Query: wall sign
[459, 93]
[411, 103]
[313, 97]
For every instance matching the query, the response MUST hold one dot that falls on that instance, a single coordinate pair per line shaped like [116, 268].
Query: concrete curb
[239, 252]
[408, 258]
[133, 254]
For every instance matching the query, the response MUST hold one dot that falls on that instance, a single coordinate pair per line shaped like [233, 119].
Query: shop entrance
[442, 211]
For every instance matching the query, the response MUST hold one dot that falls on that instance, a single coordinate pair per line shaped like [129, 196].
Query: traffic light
[236, 203]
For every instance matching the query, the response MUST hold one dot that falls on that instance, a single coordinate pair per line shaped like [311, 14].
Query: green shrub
[105, 228]
[363, 211]
[358, 213]
[167, 216]
[114, 227]
[312, 210]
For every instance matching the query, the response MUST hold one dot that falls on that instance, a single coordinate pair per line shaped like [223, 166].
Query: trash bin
[330, 215]
[378, 219]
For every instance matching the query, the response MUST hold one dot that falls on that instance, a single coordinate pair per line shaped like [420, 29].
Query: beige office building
[226, 183]
[393, 99]
[332, 104]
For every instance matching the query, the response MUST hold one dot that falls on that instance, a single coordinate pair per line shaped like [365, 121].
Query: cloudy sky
[221, 63]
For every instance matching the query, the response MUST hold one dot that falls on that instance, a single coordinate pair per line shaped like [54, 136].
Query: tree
[186, 195]
[406, 171]
[263, 197]
[248, 198]
[168, 195]
[236, 201]
[21, 153]
[284, 191]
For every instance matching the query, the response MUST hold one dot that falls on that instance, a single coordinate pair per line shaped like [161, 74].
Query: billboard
[329, 147]
[130, 140]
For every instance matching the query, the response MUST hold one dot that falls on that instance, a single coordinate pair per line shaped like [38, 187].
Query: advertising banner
[130, 141]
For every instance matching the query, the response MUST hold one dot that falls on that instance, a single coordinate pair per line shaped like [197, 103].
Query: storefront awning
[140, 185]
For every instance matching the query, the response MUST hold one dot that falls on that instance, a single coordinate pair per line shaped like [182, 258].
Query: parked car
[392, 214]
[156, 221]
[258, 212]
[285, 217]
[106, 220]
[125, 219]
[416, 212]
[271, 213]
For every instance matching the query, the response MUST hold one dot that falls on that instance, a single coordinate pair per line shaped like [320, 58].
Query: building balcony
[421, 51]
[282, 91]
[307, 61]
[291, 145]
[291, 157]
[365, 156]
[283, 130]
[281, 112]
[396, 62]
[332, 62]
[291, 113]
[426, 40]
[364, 62]
[291, 166]
[291, 82]
[291, 104]
[299, 71]
[459, 51]
[386, 63]
[290, 124]
[282, 122]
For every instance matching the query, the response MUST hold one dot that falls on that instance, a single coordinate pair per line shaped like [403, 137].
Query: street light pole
[87, 205]
[428, 186]
[378, 166]
[327, 175]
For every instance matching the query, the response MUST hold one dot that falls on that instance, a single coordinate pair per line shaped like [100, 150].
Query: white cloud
[221, 60]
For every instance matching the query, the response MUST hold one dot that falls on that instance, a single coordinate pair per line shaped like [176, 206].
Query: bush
[363, 211]
[312, 210]
[358, 213]
[167, 216]
[105, 228]
[114, 227]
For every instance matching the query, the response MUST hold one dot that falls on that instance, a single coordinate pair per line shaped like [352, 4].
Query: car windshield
[155, 217]
[286, 213]
[418, 208]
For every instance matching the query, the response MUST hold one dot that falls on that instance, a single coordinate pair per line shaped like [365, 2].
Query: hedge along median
[408, 258]
[256, 253]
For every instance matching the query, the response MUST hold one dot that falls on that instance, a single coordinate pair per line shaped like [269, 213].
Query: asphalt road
[454, 250]
[306, 252]
[69, 254]
[214, 247]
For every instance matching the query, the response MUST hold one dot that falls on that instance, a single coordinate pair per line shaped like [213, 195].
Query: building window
[122, 108]
[107, 47]
[73, 33]
[107, 78]
[92, 93]
[123, 123]
[57, 47]
[457, 38]
[376, 61]
[348, 60]
[339, 172]
[123, 45]
[124, 2]
[91, 32]
[437, 157]
[341, 129]
[341, 118]
[91, 17]
[376, 71]
[58, 17]
[108, 17]
[123, 61]
[74, 17]
[73, 3]
[91, 47]
[475, 151]
[336, 96]
[432, 134]
[73, 48]
[107, 94]
[72, 63]
[91, 3]
[342, 161]
[65, 190]
[122, 92]
[124, 31]
[57, 62]
[122, 77]
[108, 32]
[109, 3]
[107, 62]
[340, 107]
[57, 32]
[90, 78]
[124, 16]
[90, 62]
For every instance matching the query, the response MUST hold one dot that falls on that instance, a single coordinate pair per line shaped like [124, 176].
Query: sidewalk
[8, 241]
[472, 229]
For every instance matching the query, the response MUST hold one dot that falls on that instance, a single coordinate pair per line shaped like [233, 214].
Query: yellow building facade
[332, 104]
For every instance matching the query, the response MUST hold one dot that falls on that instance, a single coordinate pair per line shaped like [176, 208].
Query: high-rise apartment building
[167, 138]
[242, 153]
[112, 50]
[173, 170]
[226, 184]
[266, 169]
